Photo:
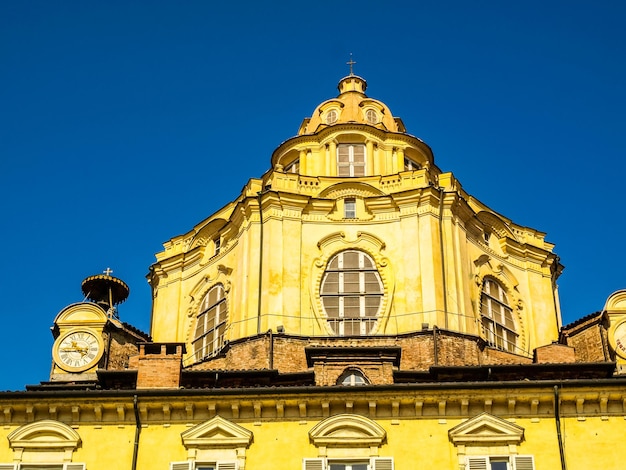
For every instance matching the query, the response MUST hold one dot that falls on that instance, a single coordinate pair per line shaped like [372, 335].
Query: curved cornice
[45, 434]
[329, 132]
[350, 188]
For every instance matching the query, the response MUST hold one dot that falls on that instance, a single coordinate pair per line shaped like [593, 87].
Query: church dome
[352, 105]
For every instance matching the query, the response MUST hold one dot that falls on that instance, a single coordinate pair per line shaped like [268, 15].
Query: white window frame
[368, 116]
[349, 208]
[352, 378]
[216, 465]
[293, 167]
[373, 463]
[410, 165]
[332, 116]
[365, 322]
[497, 332]
[514, 462]
[210, 341]
[42, 466]
[351, 164]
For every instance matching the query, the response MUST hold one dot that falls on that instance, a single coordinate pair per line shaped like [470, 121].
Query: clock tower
[83, 330]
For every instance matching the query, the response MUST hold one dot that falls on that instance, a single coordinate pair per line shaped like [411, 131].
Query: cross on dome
[351, 63]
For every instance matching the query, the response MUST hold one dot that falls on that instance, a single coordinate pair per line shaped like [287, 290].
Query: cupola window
[331, 117]
[351, 160]
[371, 116]
[211, 324]
[497, 317]
[351, 293]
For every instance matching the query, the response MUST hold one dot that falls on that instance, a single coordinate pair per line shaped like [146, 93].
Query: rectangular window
[349, 208]
[218, 244]
[43, 466]
[516, 462]
[188, 465]
[410, 165]
[351, 160]
[375, 463]
[293, 167]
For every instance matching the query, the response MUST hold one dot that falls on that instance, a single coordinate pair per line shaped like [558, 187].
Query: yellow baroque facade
[352, 309]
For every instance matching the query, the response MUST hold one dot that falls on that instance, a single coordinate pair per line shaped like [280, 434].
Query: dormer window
[218, 243]
[352, 378]
[371, 117]
[351, 160]
[331, 117]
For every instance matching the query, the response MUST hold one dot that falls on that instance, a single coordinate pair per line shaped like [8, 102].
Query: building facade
[352, 309]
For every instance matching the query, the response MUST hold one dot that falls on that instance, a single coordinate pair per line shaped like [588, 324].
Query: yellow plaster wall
[431, 230]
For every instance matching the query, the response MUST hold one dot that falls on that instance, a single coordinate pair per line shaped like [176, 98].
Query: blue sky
[124, 123]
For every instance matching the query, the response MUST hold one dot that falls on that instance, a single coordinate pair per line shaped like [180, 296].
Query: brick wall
[589, 338]
[418, 354]
[158, 365]
[121, 349]
[555, 353]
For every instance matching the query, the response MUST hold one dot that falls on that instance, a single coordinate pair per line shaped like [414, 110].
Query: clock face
[77, 350]
[619, 339]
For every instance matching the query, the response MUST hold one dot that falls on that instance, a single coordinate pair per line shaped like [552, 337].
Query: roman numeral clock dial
[77, 350]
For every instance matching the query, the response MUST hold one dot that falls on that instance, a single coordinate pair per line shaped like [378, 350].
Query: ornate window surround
[373, 246]
[55, 439]
[217, 440]
[218, 275]
[507, 280]
[484, 436]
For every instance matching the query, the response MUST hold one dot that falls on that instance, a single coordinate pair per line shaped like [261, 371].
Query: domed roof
[351, 106]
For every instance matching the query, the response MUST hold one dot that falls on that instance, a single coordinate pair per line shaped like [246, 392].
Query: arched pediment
[217, 432]
[350, 188]
[485, 429]
[347, 430]
[81, 313]
[496, 224]
[616, 302]
[44, 435]
[206, 233]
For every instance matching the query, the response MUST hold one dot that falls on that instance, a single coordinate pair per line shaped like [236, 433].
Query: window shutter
[7, 466]
[181, 466]
[476, 463]
[380, 463]
[524, 462]
[227, 466]
[74, 466]
[313, 464]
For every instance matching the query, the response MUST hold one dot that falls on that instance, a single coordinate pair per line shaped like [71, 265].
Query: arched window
[351, 293]
[352, 378]
[211, 323]
[497, 317]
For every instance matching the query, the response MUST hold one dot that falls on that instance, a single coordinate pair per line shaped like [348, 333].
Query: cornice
[580, 399]
[329, 132]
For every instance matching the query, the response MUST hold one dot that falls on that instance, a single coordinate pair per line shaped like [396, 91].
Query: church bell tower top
[105, 290]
